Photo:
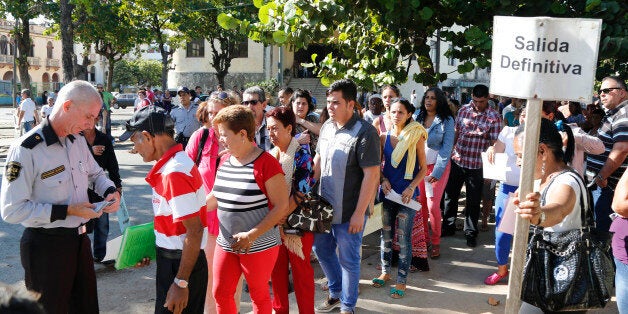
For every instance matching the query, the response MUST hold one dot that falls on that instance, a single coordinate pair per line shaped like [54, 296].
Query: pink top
[207, 168]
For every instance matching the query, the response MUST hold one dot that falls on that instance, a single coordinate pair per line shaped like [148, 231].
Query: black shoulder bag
[201, 145]
[567, 270]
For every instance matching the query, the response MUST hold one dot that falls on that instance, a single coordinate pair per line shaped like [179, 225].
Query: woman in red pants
[251, 197]
[296, 162]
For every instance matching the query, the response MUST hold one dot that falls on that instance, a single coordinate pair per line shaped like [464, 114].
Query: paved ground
[454, 283]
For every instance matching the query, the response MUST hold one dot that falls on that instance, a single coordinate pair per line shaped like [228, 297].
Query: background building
[44, 59]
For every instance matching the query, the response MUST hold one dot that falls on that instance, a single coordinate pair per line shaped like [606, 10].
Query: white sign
[544, 58]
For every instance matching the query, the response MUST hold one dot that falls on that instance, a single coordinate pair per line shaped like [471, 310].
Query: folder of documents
[137, 242]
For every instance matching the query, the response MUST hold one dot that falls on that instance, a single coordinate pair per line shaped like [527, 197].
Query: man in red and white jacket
[178, 203]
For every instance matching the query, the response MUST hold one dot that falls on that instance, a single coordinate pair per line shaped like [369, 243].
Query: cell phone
[103, 204]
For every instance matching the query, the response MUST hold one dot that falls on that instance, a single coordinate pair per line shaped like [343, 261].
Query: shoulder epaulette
[32, 141]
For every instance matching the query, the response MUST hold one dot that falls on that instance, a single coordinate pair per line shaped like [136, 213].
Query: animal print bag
[313, 213]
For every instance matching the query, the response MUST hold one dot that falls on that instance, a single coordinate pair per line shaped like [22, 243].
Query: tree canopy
[376, 39]
[201, 23]
[137, 72]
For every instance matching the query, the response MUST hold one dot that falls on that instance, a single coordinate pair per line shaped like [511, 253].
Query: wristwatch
[181, 283]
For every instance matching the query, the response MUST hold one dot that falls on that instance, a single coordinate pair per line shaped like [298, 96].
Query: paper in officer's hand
[396, 197]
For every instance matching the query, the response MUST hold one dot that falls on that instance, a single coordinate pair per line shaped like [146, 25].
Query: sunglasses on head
[250, 102]
[220, 95]
[607, 90]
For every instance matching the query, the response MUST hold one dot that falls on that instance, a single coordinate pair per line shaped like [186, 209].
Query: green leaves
[592, 4]
[280, 37]
[227, 22]
[426, 13]
[466, 67]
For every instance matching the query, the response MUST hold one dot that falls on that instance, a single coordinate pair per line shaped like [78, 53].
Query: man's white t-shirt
[28, 106]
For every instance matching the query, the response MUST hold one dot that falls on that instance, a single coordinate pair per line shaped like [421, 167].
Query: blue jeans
[342, 270]
[28, 125]
[602, 199]
[621, 286]
[502, 240]
[101, 231]
[401, 218]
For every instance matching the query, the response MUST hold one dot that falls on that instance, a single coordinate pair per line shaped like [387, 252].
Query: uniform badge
[53, 172]
[12, 170]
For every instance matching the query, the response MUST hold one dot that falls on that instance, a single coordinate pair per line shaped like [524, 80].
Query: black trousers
[61, 268]
[167, 267]
[474, 182]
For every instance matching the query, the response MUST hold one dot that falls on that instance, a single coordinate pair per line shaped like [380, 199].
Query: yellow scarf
[408, 139]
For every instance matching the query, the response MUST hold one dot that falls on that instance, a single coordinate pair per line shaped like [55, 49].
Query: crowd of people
[229, 170]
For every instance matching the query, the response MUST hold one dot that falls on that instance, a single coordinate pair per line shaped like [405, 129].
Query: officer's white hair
[79, 92]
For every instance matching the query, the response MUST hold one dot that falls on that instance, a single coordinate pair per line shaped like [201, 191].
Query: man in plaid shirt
[477, 128]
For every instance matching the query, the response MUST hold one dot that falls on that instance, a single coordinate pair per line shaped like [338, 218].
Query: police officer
[44, 188]
[184, 117]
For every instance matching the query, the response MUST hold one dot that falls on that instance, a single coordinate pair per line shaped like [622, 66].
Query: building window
[31, 52]
[196, 49]
[241, 50]
[4, 44]
[451, 61]
[49, 48]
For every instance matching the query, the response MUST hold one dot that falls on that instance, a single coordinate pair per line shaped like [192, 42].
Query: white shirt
[572, 220]
[46, 110]
[28, 106]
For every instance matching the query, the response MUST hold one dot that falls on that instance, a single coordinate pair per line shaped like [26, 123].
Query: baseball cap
[150, 118]
[183, 89]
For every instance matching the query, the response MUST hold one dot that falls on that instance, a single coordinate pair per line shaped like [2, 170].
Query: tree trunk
[220, 76]
[67, 40]
[112, 62]
[80, 70]
[24, 46]
[165, 55]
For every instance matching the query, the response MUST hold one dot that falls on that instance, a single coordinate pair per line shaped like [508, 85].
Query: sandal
[435, 254]
[379, 282]
[397, 293]
[494, 278]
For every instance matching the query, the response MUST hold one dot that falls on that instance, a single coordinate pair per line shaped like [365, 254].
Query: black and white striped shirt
[242, 202]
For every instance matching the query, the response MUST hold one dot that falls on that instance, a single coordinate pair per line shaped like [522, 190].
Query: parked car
[125, 100]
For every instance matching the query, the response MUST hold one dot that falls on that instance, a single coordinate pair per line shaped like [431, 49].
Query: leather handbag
[313, 213]
[567, 270]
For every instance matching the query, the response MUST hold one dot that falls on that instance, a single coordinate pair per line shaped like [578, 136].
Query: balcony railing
[52, 63]
[34, 61]
[6, 59]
